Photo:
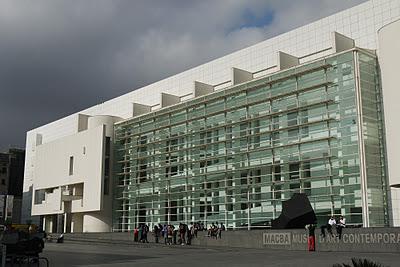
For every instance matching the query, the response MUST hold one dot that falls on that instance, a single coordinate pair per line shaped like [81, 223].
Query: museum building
[310, 111]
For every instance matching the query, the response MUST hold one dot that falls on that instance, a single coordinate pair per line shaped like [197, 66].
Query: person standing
[170, 234]
[146, 230]
[340, 225]
[311, 237]
[182, 232]
[174, 233]
[140, 232]
[216, 230]
[136, 234]
[196, 229]
[192, 230]
[188, 235]
[221, 228]
[156, 233]
[331, 224]
[165, 233]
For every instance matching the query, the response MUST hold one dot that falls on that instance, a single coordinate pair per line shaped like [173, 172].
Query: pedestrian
[182, 232]
[323, 230]
[331, 225]
[211, 230]
[214, 230]
[196, 229]
[140, 233]
[221, 228]
[311, 237]
[339, 226]
[188, 235]
[174, 233]
[170, 234]
[146, 230]
[156, 233]
[192, 230]
[135, 234]
[165, 234]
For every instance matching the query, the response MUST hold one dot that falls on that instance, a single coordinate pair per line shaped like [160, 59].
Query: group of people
[215, 230]
[181, 235]
[140, 233]
[334, 223]
[338, 224]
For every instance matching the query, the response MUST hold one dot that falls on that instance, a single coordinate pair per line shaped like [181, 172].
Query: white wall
[52, 168]
[389, 60]
[96, 222]
[51, 205]
[47, 224]
[77, 223]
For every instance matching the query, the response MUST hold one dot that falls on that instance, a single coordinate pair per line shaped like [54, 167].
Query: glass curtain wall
[373, 140]
[234, 155]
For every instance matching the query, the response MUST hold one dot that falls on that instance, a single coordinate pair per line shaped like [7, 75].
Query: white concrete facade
[71, 181]
[389, 56]
[361, 23]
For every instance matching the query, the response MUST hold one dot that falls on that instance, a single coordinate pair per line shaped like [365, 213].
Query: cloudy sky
[59, 57]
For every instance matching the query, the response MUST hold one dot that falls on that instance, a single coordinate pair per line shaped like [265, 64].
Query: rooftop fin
[169, 100]
[38, 139]
[286, 61]
[140, 109]
[241, 76]
[202, 89]
[341, 42]
[82, 122]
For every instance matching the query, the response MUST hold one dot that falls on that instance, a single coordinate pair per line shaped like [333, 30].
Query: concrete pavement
[107, 255]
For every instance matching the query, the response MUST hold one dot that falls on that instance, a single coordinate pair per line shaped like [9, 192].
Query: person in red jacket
[311, 236]
[136, 235]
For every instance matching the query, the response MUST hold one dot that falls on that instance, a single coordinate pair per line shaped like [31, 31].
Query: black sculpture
[296, 213]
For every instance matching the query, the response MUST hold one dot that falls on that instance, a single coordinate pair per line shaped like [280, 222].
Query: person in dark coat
[156, 233]
[188, 235]
[340, 225]
[145, 232]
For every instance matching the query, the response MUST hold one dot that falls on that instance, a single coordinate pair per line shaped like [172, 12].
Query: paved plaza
[117, 255]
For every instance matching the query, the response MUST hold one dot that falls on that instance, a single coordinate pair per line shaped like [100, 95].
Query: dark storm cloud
[58, 57]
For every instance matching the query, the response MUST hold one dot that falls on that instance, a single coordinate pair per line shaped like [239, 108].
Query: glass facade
[234, 155]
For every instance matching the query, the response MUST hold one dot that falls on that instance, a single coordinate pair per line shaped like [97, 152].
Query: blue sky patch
[250, 20]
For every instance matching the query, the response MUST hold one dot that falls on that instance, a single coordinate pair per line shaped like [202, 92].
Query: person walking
[311, 237]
